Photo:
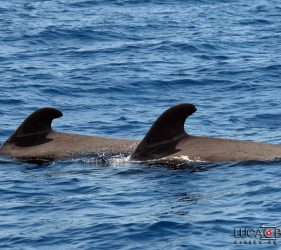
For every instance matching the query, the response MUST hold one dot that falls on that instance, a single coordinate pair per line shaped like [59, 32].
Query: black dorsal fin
[35, 127]
[165, 133]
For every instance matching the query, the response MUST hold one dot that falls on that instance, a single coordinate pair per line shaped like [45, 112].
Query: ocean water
[112, 67]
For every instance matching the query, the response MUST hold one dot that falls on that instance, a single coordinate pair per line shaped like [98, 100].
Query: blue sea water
[112, 67]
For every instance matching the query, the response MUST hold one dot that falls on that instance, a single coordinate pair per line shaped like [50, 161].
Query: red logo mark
[268, 232]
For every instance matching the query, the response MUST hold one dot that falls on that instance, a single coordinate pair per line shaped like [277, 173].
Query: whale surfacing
[35, 140]
[166, 140]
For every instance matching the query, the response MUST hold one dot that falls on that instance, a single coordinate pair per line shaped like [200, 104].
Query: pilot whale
[166, 141]
[36, 141]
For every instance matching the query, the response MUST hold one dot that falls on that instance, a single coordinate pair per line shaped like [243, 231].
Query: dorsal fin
[165, 133]
[35, 126]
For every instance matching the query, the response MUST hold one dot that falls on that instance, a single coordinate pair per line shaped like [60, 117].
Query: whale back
[165, 133]
[35, 127]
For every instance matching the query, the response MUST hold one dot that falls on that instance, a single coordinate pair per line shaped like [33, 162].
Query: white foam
[118, 160]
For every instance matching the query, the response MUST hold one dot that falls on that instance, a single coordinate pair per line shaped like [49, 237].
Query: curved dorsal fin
[37, 125]
[165, 133]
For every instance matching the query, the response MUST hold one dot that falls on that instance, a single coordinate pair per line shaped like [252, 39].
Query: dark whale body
[35, 140]
[166, 141]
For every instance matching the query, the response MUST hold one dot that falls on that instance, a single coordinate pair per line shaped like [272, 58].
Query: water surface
[112, 67]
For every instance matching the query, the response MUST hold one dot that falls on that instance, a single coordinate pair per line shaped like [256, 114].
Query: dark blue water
[112, 67]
